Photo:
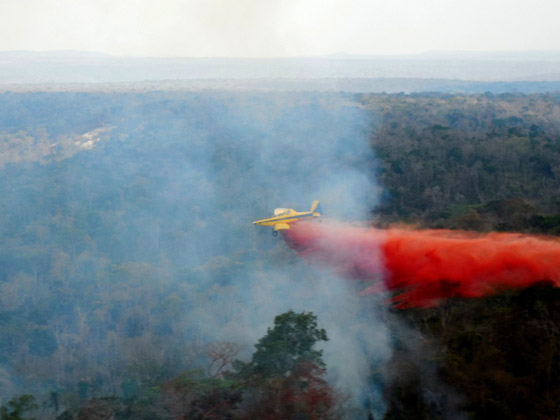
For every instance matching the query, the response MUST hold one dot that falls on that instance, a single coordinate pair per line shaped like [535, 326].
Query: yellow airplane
[284, 217]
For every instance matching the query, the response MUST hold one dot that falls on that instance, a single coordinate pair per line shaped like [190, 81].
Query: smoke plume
[427, 266]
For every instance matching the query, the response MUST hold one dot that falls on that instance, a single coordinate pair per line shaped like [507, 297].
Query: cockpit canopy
[281, 212]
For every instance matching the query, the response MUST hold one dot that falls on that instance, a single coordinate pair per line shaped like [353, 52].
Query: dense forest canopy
[129, 269]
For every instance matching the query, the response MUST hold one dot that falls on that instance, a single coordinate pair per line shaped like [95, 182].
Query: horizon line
[335, 55]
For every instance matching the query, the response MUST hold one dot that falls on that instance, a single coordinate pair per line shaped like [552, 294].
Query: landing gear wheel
[274, 233]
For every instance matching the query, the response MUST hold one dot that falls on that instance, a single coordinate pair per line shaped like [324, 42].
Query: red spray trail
[426, 266]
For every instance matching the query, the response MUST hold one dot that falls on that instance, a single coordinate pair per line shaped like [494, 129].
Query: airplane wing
[281, 226]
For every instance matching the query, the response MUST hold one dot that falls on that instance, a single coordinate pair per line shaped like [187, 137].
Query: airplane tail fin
[316, 207]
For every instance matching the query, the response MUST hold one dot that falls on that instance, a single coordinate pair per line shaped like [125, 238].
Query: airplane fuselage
[284, 217]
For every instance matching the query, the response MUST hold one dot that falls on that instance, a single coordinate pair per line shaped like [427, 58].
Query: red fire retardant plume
[426, 266]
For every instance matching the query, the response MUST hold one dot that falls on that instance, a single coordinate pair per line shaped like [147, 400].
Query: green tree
[290, 342]
[193, 395]
[284, 379]
[18, 406]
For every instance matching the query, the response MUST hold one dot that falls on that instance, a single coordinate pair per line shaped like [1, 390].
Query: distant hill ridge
[56, 67]
[349, 85]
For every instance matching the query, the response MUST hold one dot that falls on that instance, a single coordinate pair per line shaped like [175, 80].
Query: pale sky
[276, 28]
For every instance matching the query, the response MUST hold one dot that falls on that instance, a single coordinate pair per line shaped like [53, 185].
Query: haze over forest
[134, 286]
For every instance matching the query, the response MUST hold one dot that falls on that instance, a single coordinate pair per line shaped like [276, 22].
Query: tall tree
[284, 378]
[289, 343]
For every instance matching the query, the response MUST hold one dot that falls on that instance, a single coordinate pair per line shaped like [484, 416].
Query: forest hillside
[133, 284]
